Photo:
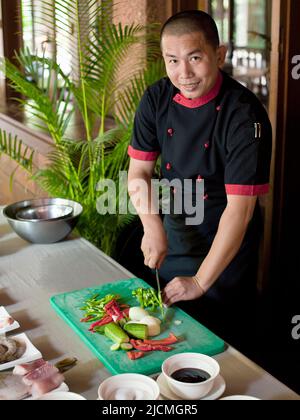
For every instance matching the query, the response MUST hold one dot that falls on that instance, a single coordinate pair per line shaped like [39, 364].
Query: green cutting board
[195, 337]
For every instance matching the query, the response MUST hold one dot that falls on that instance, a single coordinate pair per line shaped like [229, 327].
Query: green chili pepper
[148, 298]
[94, 306]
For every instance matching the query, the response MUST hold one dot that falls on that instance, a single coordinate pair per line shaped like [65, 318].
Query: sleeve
[249, 152]
[144, 142]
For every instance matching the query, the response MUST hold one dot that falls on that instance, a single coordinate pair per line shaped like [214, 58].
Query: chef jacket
[223, 139]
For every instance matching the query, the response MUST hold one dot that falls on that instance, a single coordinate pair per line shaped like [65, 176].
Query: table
[31, 274]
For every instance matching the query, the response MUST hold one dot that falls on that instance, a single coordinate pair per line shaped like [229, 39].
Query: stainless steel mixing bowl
[43, 231]
[49, 212]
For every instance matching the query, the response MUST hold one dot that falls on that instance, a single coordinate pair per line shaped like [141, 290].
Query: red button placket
[170, 132]
[207, 146]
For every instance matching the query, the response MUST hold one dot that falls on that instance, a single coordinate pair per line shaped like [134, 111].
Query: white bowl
[239, 398]
[128, 386]
[190, 391]
[60, 396]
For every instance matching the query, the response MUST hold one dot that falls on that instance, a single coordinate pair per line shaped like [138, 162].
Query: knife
[159, 291]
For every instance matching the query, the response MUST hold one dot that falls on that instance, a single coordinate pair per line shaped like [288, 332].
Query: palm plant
[102, 87]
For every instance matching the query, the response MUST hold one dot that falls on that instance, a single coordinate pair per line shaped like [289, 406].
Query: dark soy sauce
[190, 375]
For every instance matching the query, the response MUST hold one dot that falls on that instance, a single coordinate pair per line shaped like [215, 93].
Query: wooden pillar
[231, 30]
[12, 33]
[2, 78]
[287, 180]
[284, 279]
[180, 5]
[204, 5]
[268, 201]
[189, 4]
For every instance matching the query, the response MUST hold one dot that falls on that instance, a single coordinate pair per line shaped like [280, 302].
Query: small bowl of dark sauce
[191, 376]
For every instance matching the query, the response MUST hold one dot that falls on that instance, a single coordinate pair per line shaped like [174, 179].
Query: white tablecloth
[31, 274]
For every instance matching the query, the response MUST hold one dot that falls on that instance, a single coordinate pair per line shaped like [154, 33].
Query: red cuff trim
[140, 155]
[250, 190]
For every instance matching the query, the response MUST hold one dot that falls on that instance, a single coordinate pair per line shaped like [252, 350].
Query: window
[40, 39]
[251, 24]
[244, 27]
[220, 12]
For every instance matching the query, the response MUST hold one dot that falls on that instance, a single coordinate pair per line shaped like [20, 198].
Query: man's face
[191, 63]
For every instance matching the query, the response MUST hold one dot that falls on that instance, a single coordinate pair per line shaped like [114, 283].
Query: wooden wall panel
[12, 33]
[22, 187]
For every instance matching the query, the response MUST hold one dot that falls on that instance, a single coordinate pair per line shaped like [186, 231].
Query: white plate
[216, 392]
[5, 314]
[62, 388]
[31, 353]
[59, 395]
[239, 398]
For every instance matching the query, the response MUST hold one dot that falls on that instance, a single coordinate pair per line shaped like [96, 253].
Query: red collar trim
[203, 100]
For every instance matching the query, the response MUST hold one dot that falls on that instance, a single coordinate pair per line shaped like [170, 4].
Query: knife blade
[159, 291]
[157, 282]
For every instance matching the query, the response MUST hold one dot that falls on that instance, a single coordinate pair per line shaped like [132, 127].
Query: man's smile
[189, 86]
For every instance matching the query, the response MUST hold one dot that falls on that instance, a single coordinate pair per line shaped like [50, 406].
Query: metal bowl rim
[62, 219]
[22, 219]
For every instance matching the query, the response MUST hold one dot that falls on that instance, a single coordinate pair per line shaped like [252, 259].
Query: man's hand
[155, 246]
[180, 289]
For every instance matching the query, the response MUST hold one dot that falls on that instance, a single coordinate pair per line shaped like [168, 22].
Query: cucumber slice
[137, 330]
[126, 346]
[115, 347]
[115, 333]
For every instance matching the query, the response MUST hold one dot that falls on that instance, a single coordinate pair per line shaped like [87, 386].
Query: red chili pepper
[87, 319]
[110, 303]
[112, 308]
[162, 348]
[133, 355]
[140, 345]
[172, 339]
[104, 321]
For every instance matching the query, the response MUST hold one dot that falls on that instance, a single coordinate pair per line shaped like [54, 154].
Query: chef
[208, 128]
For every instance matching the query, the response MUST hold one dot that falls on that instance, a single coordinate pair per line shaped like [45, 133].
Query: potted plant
[103, 87]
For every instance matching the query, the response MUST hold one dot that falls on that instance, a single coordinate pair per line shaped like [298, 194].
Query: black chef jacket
[223, 139]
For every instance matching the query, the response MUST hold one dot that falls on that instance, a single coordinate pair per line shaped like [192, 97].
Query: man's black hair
[192, 21]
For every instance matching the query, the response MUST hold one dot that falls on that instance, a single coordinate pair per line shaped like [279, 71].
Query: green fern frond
[105, 58]
[16, 150]
[104, 83]
[42, 104]
[54, 183]
[51, 82]
[129, 98]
